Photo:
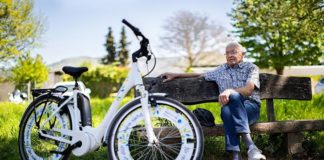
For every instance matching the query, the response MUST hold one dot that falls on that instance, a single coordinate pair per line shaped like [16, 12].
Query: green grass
[10, 115]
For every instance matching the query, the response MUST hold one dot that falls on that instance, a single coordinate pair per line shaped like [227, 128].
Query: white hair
[236, 45]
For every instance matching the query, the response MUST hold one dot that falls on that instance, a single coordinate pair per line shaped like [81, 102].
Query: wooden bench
[197, 90]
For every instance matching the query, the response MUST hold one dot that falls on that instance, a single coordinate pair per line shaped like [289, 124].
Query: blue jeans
[237, 115]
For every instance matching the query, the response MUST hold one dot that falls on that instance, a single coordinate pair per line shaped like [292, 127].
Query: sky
[79, 27]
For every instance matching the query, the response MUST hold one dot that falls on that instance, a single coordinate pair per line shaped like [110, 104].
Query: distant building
[6, 89]
[56, 72]
[53, 77]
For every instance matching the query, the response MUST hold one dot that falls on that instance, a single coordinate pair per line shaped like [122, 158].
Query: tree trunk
[28, 91]
[188, 69]
[190, 62]
[279, 70]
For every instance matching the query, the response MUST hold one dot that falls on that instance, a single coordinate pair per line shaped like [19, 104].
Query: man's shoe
[255, 154]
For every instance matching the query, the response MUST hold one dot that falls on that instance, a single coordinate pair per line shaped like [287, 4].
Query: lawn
[10, 115]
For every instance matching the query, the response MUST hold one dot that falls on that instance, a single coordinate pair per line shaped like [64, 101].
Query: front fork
[146, 113]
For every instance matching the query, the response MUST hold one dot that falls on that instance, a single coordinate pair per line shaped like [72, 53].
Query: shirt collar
[240, 65]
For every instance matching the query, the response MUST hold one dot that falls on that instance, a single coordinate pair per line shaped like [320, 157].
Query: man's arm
[246, 90]
[171, 76]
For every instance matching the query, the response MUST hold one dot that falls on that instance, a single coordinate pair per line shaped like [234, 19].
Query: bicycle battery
[85, 109]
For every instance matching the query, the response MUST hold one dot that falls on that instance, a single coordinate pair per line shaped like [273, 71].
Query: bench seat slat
[273, 127]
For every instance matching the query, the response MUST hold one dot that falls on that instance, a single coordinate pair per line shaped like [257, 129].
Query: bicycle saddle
[75, 72]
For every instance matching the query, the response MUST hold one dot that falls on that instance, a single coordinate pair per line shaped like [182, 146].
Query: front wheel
[177, 130]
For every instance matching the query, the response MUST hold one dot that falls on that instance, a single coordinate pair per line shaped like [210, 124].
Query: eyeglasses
[233, 52]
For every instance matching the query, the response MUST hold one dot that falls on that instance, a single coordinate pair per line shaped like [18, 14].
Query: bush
[103, 80]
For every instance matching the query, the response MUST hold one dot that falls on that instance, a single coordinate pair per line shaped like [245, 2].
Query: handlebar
[136, 31]
[143, 51]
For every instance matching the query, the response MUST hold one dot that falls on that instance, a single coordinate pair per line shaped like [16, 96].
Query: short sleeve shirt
[228, 77]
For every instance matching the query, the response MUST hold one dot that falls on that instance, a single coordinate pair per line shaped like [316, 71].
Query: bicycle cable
[147, 59]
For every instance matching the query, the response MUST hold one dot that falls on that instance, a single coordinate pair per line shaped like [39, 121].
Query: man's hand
[168, 76]
[223, 98]
[171, 76]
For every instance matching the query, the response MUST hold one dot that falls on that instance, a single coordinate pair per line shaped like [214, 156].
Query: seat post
[76, 85]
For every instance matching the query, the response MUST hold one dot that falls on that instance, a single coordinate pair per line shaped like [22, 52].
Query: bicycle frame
[90, 137]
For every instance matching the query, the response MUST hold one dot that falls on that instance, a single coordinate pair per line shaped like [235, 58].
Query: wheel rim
[38, 147]
[177, 137]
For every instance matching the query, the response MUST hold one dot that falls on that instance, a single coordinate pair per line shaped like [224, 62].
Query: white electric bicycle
[151, 126]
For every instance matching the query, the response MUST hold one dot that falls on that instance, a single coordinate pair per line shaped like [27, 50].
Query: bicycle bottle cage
[85, 109]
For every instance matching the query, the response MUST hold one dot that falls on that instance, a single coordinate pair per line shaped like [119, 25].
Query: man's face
[233, 56]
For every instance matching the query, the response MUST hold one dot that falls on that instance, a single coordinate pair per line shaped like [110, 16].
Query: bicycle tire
[177, 129]
[31, 144]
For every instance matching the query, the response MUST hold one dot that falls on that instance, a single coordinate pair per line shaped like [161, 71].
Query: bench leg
[294, 143]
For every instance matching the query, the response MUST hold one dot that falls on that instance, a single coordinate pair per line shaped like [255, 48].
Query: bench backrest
[197, 90]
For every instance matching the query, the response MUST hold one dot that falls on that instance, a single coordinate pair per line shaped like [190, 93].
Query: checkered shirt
[227, 77]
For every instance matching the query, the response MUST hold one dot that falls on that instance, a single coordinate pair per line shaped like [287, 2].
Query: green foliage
[104, 80]
[19, 29]
[29, 69]
[291, 109]
[280, 33]
[110, 48]
[114, 56]
[123, 52]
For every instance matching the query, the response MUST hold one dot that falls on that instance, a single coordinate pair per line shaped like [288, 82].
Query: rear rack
[58, 89]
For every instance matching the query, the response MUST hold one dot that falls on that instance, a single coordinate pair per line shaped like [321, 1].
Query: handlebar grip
[136, 31]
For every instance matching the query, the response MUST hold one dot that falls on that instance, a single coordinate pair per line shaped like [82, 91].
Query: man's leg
[234, 123]
[231, 137]
[253, 112]
[236, 118]
[232, 140]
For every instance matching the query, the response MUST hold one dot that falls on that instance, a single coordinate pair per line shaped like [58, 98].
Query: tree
[192, 34]
[123, 52]
[29, 71]
[19, 29]
[110, 48]
[280, 33]
[104, 80]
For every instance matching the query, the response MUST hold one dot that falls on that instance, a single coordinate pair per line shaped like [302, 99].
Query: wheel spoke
[141, 151]
[147, 153]
[164, 153]
[137, 149]
[174, 149]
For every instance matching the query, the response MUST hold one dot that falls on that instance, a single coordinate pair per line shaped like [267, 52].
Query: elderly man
[239, 96]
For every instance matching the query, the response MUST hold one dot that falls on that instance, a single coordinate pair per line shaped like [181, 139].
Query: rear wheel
[177, 130]
[31, 144]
